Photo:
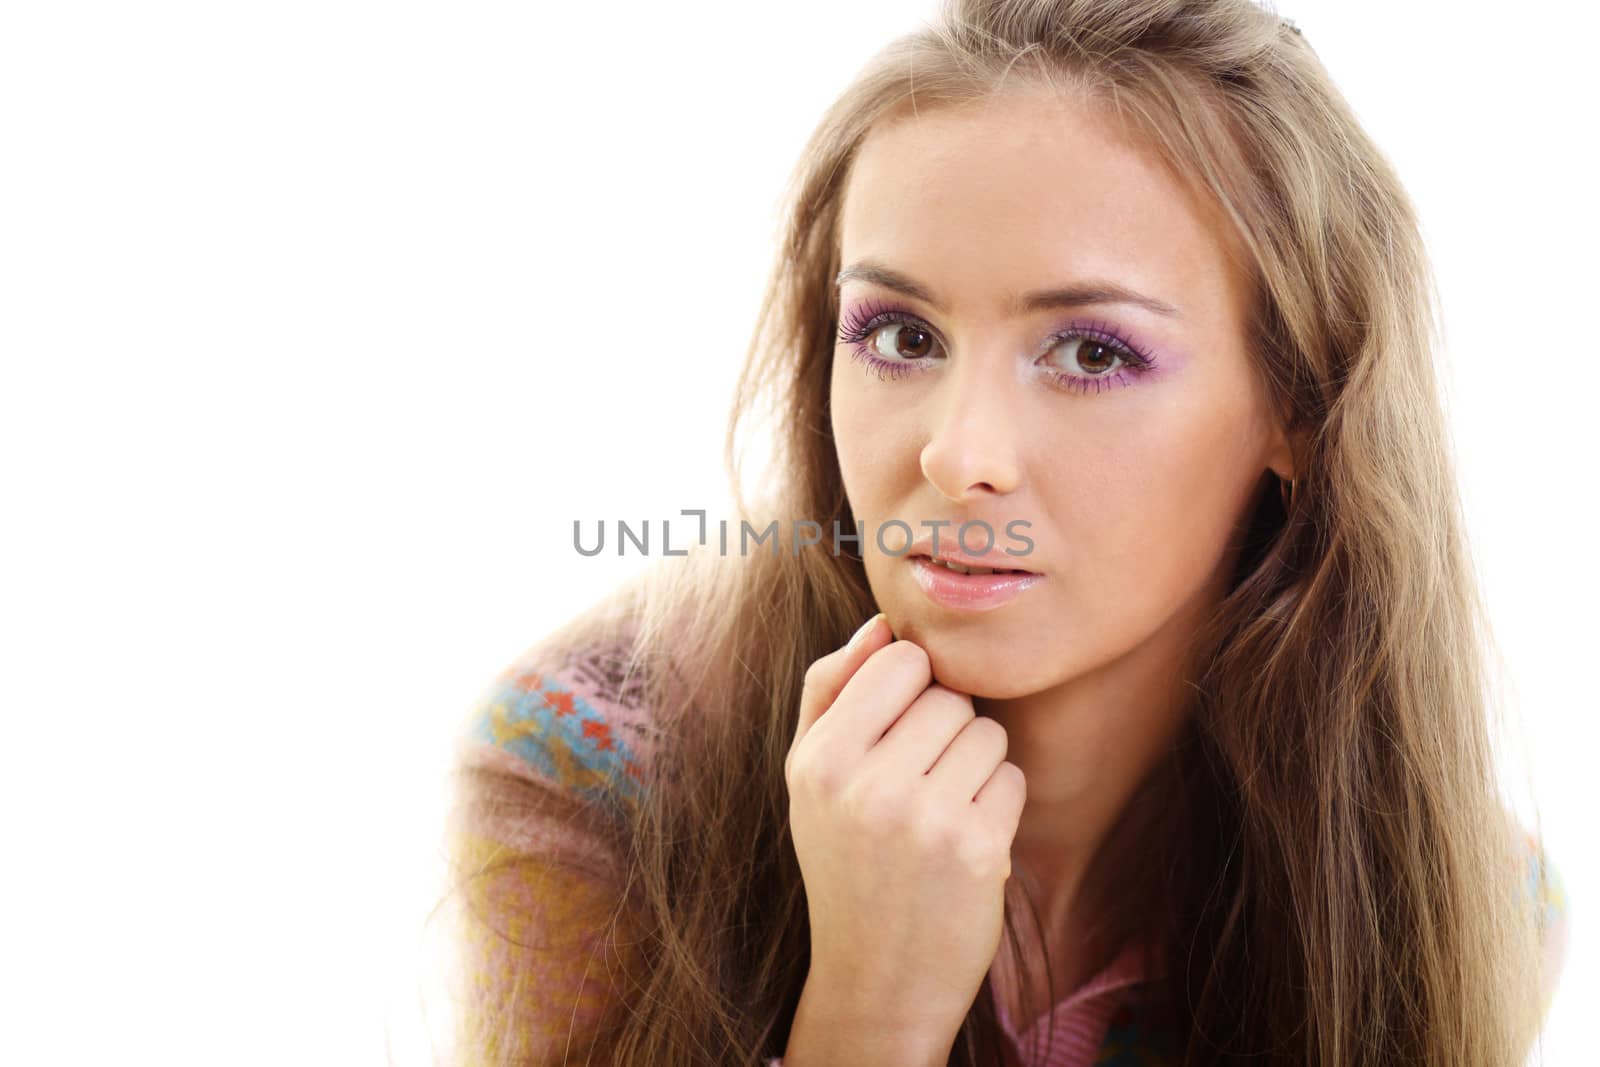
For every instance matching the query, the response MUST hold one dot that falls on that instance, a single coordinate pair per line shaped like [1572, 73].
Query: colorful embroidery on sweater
[547, 723]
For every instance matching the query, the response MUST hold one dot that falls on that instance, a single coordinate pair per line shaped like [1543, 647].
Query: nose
[972, 443]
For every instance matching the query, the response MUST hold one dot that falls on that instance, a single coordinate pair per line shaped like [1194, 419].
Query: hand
[902, 810]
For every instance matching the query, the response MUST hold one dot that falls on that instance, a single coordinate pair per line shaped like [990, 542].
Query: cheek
[851, 433]
[1155, 518]
[872, 441]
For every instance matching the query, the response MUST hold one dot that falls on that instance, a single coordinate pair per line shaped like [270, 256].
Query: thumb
[827, 676]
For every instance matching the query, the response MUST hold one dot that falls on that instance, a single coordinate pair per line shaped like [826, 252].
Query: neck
[1093, 751]
[1087, 904]
[1087, 748]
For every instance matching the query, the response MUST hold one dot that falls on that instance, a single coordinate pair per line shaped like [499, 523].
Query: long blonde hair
[1338, 886]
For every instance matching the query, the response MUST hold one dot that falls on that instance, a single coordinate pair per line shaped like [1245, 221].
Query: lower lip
[969, 592]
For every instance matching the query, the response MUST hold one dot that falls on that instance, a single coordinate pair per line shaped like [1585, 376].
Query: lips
[994, 560]
[955, 591]
[961, 568]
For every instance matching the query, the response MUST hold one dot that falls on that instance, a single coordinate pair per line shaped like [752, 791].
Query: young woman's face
[964, 403]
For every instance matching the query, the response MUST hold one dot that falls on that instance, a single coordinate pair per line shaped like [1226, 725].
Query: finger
[970, 760]
[1003, 797]
[826, 677]
[875, 697]
[920, 736]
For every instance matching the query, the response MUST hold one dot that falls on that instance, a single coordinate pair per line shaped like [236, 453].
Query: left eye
[1094, 358]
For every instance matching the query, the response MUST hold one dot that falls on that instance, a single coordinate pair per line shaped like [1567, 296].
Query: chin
[975, 666]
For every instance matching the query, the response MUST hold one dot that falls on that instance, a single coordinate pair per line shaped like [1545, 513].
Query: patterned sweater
[540, 877]
[571, 737]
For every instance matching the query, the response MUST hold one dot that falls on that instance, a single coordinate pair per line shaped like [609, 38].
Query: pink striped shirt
[1081, 1020]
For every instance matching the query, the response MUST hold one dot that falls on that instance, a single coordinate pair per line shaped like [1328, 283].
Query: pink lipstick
[970, 592]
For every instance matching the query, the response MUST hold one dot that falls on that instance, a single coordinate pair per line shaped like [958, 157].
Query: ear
[1284, 456]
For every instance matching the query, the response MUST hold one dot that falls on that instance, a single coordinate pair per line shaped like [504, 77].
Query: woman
[1125, 285]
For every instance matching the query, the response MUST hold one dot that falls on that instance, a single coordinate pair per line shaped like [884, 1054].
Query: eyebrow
[1089, 291]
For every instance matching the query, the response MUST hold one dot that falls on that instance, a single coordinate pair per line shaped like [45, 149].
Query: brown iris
[1103, 352]
[924, 341]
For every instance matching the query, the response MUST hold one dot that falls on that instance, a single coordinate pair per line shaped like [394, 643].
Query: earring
[1286, 493]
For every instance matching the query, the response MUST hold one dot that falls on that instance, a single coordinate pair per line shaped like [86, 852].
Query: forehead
[1030, 190]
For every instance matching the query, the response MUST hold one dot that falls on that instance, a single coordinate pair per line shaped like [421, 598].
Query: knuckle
[793, 772]
[979, 856]
[909, 656]
[1011, 783]
[944, 697]
[815, 674]
[813, 777]
[989, 731]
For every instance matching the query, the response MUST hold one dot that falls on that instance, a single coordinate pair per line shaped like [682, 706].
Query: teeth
[959, 569]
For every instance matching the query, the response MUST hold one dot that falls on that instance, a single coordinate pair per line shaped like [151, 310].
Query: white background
[321, 322]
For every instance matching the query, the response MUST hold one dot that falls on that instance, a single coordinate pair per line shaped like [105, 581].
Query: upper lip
[995, 557]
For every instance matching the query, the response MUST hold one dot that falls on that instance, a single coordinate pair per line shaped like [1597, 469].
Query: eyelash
[865, 321]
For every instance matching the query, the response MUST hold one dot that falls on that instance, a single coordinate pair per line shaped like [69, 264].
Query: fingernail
[866, 628]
